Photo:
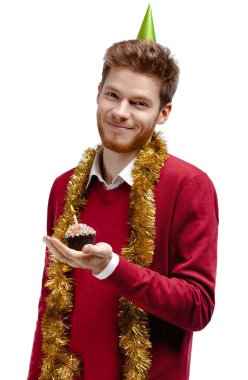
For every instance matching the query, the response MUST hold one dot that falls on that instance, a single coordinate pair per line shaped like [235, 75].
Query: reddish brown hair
[146, 57]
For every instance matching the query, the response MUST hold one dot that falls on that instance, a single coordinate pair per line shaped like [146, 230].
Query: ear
[99, 91]
[164, 113]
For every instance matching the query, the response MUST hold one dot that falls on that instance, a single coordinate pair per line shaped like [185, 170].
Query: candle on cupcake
[74, 215]
[79, 234]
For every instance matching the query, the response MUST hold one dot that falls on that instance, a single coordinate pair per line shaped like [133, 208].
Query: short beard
[138, 143]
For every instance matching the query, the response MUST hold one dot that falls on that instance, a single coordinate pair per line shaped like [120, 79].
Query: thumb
[97, 249]
[88, 248]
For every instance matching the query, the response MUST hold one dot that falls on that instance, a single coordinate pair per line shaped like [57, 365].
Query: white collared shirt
[124, 176]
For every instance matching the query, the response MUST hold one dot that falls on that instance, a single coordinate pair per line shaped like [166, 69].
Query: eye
[112, 95]
[139, 104]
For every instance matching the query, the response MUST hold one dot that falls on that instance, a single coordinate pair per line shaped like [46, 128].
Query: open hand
[94, 257]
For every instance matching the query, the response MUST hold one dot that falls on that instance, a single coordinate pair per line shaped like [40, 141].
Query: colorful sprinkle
[79, 230]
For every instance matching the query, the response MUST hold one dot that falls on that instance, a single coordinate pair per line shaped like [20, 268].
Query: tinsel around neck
[58, 361]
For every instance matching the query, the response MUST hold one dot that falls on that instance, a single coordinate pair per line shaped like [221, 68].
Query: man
[126, 307]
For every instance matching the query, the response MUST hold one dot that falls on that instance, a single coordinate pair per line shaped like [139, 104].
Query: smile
[117, 127]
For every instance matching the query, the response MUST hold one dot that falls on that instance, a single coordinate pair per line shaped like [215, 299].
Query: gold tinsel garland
[58, 362]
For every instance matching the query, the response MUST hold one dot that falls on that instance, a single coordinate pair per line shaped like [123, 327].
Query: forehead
[133, 83]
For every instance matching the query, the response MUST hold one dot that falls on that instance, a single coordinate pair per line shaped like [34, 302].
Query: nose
[121, 110]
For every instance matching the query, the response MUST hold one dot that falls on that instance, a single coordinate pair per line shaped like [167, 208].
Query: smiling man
[127, 307]
[129, 109]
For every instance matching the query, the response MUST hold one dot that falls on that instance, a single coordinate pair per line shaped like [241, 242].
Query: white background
[50, 66]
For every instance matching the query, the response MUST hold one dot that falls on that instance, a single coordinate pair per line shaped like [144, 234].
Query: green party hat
[147, 31]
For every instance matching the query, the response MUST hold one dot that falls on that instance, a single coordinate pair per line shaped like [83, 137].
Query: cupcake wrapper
[78, 242]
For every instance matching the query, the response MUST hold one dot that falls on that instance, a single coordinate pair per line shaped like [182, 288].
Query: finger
[88, 249]
[70, 256]
[55, 252]
[92, 250]
[99, 249]
[65, 251]
[47, 240]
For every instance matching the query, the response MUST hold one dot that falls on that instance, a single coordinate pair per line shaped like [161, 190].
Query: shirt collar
[124, 176]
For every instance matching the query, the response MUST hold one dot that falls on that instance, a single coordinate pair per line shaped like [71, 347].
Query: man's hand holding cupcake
[93, 257]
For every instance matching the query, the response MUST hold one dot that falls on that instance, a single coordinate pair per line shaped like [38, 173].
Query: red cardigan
[177, 290]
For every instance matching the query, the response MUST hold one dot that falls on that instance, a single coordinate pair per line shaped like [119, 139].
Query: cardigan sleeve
[36, 355]
[184, 298]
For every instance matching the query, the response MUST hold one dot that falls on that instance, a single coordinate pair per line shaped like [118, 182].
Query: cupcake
[77, 235]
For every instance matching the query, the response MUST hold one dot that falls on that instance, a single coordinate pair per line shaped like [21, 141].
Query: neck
[114, 162]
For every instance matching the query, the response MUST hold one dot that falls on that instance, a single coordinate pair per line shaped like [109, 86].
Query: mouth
[117, 127]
